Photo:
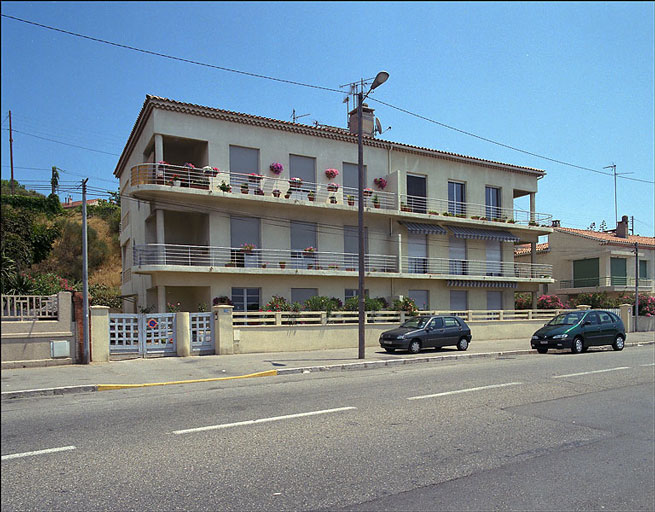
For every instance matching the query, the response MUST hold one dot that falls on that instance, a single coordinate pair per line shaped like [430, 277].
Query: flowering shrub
[549, 302]
[248, 247]
[380, 183]
[173, 307]
[646, 303]
[331, 173]
[278, 303]
[595, 300]
[406, 304]
[276, 168]
[522, 301]
[189, 165]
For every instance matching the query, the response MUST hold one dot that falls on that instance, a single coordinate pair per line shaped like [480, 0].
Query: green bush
[597, 300]
[322, 303]
[406, 304]
[49, 205]
[103, 295]
[352, 304]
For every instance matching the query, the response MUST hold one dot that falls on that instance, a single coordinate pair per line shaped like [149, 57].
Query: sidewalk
[24, 382]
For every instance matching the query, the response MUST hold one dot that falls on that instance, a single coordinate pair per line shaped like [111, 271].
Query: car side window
[605, 318]
[437, 323]
[450, 322]
[592, 318]
[614, 317]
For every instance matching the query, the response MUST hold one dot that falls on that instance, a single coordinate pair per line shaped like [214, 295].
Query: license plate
[544, 342]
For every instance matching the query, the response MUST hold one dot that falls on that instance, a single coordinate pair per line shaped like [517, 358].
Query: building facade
[586, 261]
[223, 204]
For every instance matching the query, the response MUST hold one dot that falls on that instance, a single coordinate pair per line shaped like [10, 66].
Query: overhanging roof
[483, 234]
[423, 229]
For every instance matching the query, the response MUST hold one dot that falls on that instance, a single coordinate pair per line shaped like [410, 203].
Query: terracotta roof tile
[610, 238]
[523, 249]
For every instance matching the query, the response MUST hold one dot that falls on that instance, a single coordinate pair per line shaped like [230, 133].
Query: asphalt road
[552, 432]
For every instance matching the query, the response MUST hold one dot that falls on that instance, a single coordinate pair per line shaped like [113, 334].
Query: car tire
[578, 345]
[619, 342]
[390, 350]
[542, 350]
[462, 344]
[414, 346]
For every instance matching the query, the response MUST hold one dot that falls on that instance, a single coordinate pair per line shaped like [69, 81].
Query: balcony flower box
[253, 177]
[210, 171]
[225, 187]
[247, 248]
[332, 187]
[175, 180]
[331, 173]
[350, 200]
[405, 208]
[295, 183]
[244, 188]
[276, 168]
[368, 192]
[309, 251]
[311, 195]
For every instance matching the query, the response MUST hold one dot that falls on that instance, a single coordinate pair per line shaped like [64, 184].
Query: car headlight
[401, 337]
[535, 337]
[560, 336]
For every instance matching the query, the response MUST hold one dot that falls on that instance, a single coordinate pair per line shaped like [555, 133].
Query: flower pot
[333, 200]
[377, 205]
[244, 191]
[287, 196]
[276, 194]
[177, 183]
[351, 202]
[283, 265]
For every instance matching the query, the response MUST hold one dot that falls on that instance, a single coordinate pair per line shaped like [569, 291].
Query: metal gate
[202, 333]
[142, 334]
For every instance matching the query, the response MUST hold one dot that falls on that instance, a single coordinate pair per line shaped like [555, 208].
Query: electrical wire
[64, 143]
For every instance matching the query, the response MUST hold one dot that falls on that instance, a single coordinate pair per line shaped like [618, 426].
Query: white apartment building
[261, 212]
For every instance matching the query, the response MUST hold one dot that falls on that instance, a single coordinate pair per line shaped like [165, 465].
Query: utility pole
[11, 156]
[636, 284]
[85, 278]
[613, 167]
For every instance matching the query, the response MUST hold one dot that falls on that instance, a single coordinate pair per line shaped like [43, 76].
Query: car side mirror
[588, 322]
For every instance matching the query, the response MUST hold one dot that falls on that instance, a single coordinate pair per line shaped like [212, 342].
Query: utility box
[60, 348]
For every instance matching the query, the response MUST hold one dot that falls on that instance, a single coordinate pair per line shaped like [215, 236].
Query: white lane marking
[465, 390]
[594, 371]
[38, 452]
[651, 364]
[262, 420]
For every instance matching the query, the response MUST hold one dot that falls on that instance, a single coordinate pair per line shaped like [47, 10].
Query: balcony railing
[204, 256]
[446, 208]
[454, 267]
[607, 281]
[321, 193]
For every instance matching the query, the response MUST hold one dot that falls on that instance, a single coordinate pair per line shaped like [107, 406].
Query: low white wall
[250, 340]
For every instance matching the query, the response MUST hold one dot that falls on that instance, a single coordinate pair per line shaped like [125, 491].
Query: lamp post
[380, 78]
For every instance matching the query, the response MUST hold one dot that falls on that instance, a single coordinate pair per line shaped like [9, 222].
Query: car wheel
[414, 346]
[462, 344]
[542, 350]
[577, 346]
[389, 349]
[619, 342]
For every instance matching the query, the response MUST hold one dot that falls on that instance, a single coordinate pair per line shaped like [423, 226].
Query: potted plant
[432, 212]
[161, 171]
[331, 173]
[276, 168]
[368, 192]
[351, 200]
[175, 180]
[283, 264]
[333, 200]
[333, 187]
[295, 183]
[259, 191]
[404, 208]
[311, 195]
[225, 187]
[264, 265]
[244, 188]
[288, 194]
[247, 247]
[308, 251]
[276, 193]
[380, 183]
[376, 201]
[253, 177]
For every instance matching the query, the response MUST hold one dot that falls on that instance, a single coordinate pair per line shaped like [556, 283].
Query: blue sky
[572, 82]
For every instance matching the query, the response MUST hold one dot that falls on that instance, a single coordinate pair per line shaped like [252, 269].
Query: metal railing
[446, 266]
[593, 282]
[30, 307]
[205, 256]
[446, 208]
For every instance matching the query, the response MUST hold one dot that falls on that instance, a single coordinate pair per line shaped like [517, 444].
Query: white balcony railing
[241, 184]
[616, 281]
[453, 267]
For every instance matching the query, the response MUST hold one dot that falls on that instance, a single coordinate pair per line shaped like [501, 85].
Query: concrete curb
[363, 365]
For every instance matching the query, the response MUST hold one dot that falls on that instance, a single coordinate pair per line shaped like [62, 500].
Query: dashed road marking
[38, 452]
[590, 372]
[492, 386]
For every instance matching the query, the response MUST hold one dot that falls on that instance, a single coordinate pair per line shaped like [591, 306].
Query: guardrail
[30, 307]
[281, 318]
[446, 266]
[591, 282]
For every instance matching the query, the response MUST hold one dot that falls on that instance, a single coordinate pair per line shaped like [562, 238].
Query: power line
[64, 143]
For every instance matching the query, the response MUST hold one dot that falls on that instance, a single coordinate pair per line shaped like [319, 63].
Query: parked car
[579, 330]
[427, 331]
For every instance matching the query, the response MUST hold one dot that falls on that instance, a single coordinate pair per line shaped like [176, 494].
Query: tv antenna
[295, 117]
[613, 167]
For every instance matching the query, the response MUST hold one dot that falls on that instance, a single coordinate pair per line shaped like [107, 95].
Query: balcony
[178, 179]
[278, 261]
[607, 283]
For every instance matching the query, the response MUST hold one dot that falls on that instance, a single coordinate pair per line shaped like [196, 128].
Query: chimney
[622, 227]
[368, 121]
[555, 224]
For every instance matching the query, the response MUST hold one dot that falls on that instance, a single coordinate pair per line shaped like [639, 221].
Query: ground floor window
[300, 295]
[494, 300]
[421, 298]
[354, 292]
[246, 299]
[458, 300]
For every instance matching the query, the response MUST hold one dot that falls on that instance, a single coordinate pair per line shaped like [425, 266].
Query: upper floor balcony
[606, 283]
[150, 177]
[170, 257]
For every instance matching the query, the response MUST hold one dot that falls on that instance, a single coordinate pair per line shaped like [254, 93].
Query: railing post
[323, 318]
[182, 334]
[469, 315]
[278, 318]
[626, 316]
[223, 329]
[402, 317]
[530, 314]
[99, 334]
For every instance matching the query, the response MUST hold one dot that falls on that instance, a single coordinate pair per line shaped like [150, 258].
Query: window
[244, 160]
[303, 235]
[303, 167]
[643, 269]
[494, 258]
[457, 256]
[592, 317]
[494, 300]
[585, 273]
[351, 246]
[605, 318]
[458, 300]
[417, 252]
[456, 198]
[354, 292]
[244, 230]
[449, 321]
[351, 178]
[420, 298]
[436, 323]
[416, 193]
[492, 202]
[302, 294]
[618, 271]
[246, 299]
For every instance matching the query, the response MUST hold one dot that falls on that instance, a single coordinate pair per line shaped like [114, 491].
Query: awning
[481, 284]
[424, 229]
[483, 234]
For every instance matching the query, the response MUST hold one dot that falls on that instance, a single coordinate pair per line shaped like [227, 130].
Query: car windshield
[416, 323]
[567, 318]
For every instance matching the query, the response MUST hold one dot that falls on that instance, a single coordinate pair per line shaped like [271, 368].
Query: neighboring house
[69, 203]
[442, 231]
[587, 261]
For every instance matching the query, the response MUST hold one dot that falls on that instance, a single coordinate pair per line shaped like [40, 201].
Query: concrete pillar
[159, 147]
[161, 299]
[223, 329]
[79, 328]
[532, 206]
[99, 329]
[183, 334]
[626, 316]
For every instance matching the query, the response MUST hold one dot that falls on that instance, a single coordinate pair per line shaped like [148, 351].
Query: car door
[607, 328]
[435, 333]
[591, 329]
[452, 330]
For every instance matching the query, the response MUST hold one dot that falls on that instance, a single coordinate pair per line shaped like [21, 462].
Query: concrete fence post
[323, 318]
[583, 307]
[402, 317]
[223, 329]
[278, 318]
[626, 316]
[183, 333]
[529, 314]
[99, 329]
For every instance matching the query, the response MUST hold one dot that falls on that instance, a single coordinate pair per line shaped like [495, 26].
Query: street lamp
[380, 78]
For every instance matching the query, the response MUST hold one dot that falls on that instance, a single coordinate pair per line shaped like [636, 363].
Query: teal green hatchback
[579, 330]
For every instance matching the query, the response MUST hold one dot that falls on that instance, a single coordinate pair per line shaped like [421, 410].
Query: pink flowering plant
[380, 183]
[276, 168]
[549, 302]
[333, 187]
[295, 182]
[368, 192]
[331, 173]
[248, 247]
